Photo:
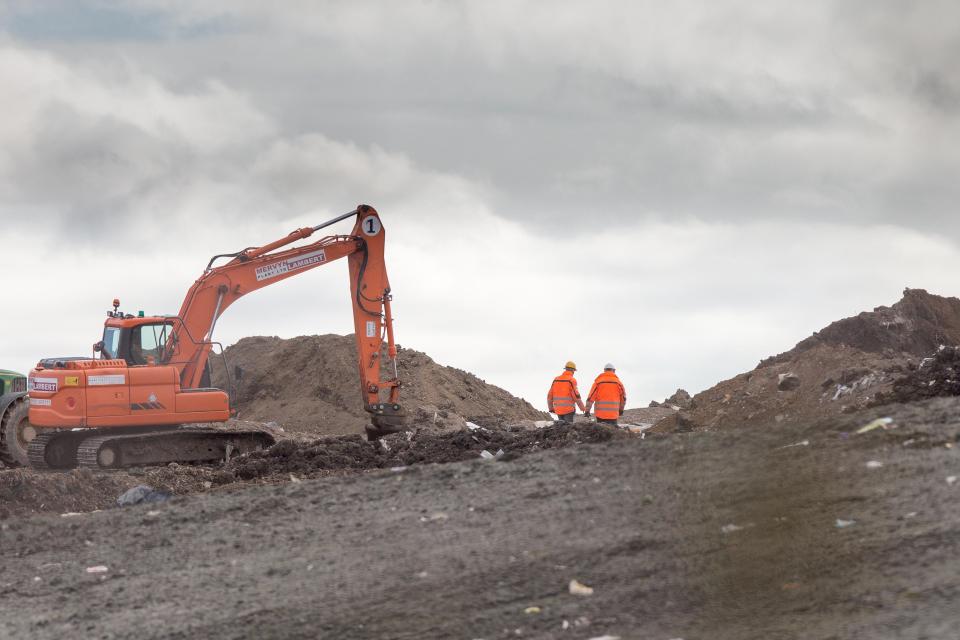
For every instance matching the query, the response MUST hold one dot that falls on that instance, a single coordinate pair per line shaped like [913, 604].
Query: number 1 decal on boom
[371, 225]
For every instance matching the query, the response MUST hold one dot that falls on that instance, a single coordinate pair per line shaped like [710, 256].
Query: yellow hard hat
[571, 365]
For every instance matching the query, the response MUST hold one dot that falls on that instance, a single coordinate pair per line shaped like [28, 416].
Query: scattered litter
[540, 424]
[875, 424]
[141, 494]
[499, 454]
[951, 479]
[207, 484]
[605, 638]
[580, 589]
[152, 514]
[565, 625]
[730, 528]
[472, 426]
[486, 455]
[912, 514]
[422, 574]
[294, 479]
[843, 524]
[434, 517]
[71, 514]
[636, 427]
[874, 464]
[398, 469]
[97, 569]
[802, 443]
[386, 447]
[909, 442]
[531, 610]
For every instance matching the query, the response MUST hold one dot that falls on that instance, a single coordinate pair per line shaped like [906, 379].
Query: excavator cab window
[111, 343]
[147, 343]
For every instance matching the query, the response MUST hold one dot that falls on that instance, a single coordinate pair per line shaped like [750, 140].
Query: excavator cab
[139, 341]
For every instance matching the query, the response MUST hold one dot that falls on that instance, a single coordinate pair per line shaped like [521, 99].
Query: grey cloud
[734, 113]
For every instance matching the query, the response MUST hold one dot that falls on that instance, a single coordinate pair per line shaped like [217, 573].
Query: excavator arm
[256, 267]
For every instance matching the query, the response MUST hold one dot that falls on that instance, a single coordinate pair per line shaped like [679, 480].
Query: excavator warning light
[140, 313]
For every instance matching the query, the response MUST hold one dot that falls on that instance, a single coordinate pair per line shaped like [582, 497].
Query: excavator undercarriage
[144, 446]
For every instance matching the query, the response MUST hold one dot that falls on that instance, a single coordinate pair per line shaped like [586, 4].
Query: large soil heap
[309, 385]
[839, 369]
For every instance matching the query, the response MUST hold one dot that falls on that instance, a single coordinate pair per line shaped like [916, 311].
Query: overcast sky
[680, 188]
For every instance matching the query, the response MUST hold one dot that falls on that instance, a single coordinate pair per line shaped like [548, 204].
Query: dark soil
[937, 376]
[728, 535]
[353, 452]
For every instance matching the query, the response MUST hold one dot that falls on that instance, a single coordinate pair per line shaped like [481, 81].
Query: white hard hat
[609, 367]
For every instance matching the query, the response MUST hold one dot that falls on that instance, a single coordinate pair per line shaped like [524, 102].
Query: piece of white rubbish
[729, 528]
[843, 524]
[577, 588]
[97, 569]
[486, 455]
[802, 443]
[951, 479]
[874, 464]
[472, 426]
[875, 424]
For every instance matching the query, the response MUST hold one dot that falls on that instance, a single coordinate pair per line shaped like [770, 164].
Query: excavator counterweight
[150, 375]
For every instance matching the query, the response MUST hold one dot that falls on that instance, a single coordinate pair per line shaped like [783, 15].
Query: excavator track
[55, 449]
[182, 445]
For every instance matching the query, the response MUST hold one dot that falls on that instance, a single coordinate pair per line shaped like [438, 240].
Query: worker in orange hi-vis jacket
[564, 397]
[609, 396]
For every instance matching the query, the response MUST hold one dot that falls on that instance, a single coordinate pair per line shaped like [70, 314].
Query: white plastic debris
[486, 455]
[874, 464]
[97, 569]
[386, 447]
[843, 524]
[294, 479]
[951, 479]
[540, 424]
[802, 443]
[579, 589]
[730, 528]
[532, 610]
[875, 424]
[473, 426]
[499, 454]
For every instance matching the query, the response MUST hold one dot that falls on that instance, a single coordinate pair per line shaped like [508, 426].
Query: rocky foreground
[804, 531]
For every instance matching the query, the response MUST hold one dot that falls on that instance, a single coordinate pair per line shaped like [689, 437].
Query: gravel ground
[727, 535]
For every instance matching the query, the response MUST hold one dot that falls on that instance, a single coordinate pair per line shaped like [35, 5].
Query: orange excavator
[138, 401]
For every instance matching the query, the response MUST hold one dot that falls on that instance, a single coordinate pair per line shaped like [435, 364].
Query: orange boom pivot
[153, 371]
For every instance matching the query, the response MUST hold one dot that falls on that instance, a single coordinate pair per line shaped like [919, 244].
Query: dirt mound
[309, 385]
[936, 376]
[843, 368]
[355, 453]
[918, 324]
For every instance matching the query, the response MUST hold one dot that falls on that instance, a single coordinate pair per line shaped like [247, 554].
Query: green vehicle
[13, 412]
